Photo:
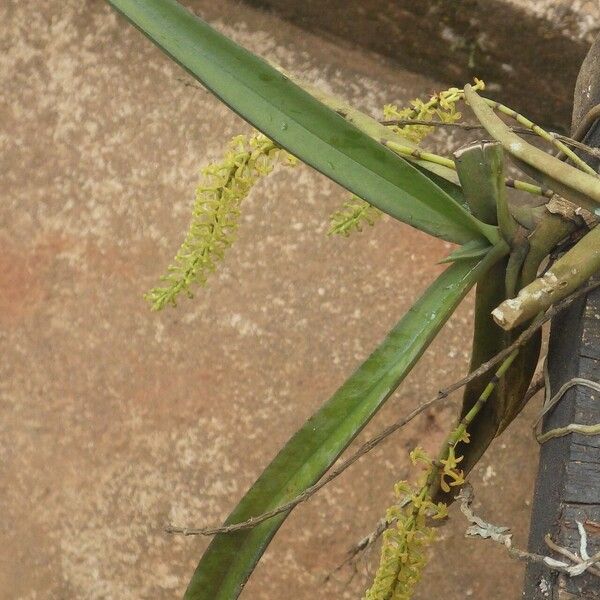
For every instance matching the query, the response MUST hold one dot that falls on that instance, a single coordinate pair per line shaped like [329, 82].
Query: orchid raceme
[357, 212]
[216, 213]
[502, 245]
[441, 106]
[405, 542]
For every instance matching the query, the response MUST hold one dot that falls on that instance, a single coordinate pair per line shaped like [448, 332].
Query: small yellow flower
[450, 470]
[418, 455]
[441, 511]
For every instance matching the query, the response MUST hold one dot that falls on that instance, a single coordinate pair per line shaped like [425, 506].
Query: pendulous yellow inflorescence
[405, 542]
[215, 214]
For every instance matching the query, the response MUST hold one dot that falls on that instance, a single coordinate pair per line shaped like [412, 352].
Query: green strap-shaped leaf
[301, 124]
[230, 558]
[440, 174]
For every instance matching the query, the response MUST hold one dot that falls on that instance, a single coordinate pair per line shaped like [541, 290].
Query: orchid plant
[509, 250]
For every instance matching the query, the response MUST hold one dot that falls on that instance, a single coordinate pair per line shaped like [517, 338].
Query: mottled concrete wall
[114, 420]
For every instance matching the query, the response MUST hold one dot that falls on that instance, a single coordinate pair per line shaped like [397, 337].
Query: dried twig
[362, 545]
[191, 83]
[536, 385]
[570, 211]
[595, 152]
[385, 433]
[465, 126]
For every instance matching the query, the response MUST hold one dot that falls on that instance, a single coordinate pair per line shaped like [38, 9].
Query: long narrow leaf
[377, 131]
[301, 124]
[230, 558]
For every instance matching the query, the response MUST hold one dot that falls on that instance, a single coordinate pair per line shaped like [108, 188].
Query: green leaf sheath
[479, 187]
[301, 124]
[481, 171]
[230, 558]
[474, 249]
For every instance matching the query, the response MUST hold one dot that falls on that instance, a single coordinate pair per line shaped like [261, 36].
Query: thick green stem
[575, 185]
[518, 255]
[480, 169]
[530, 188]
[564, 277]
[414, 152]
[550, 230]
[543, 134]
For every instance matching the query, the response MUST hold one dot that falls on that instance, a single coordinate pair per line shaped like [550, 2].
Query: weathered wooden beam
[568, 484]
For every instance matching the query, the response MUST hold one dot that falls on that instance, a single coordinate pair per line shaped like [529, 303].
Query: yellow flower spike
[355, 213]
[403, 553]
[465, 437]
[402, 489]
[417, 502]
[215, 214]
[479, 84]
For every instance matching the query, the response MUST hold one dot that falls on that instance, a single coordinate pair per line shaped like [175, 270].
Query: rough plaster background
[114, 420]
